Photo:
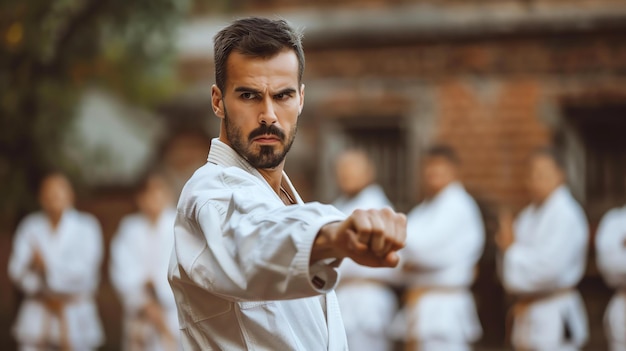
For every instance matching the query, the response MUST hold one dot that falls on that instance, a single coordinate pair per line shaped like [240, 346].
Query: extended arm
[262, 253]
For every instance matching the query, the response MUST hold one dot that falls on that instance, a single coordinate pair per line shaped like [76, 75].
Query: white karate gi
[140, 253]
[543, 265]
[611, 259]
[368, 305]
[445, 239]
[240, 270]
[72, 256]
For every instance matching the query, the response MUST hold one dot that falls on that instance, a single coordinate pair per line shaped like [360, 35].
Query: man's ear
[217, 101]
[301, 99]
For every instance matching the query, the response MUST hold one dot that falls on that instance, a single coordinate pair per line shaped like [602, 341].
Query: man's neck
[435, 192]
[153, 218]
[54, 219]
[354, 194]
[273, 176]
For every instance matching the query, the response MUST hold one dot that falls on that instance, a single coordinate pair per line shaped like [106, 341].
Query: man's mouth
[267, 139]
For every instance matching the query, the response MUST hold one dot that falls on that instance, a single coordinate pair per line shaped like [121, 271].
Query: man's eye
[248, 96]
[282, 96]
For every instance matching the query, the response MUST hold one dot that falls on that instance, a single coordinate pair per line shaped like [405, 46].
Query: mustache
[264, 129]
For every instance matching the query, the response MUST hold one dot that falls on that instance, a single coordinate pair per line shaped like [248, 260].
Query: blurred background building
[118, 88]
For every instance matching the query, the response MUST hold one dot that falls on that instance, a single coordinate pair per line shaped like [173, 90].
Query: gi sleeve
[252, 249]
[611, 248]
[21, 259]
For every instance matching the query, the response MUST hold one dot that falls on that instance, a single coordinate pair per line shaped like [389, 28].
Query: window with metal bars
[386, 145]
[601, 130]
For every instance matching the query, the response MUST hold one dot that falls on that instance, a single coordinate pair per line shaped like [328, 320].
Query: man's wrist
[323, 245]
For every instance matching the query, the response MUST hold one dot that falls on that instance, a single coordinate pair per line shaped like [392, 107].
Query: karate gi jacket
[611, 260]
[547, 258]
[240, 269]
[140, 253]
[445, 239]
[72, 255]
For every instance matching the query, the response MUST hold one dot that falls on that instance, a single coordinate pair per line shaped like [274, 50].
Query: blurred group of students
[57, 254]
[541, 258]
[56, 260]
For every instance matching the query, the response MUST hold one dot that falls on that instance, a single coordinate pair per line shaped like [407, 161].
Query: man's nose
[267, 115]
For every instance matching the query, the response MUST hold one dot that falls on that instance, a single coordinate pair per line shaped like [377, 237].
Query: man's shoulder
[612, 219]
[458, 197]
[132, 221]
[375, 195]
[86, 219]
[566, 203]
[86, 216]
[32, 220]
[615, 214]
[211, 176]
[213, 181]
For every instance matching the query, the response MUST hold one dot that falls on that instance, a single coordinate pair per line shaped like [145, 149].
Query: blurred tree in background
[49, 52]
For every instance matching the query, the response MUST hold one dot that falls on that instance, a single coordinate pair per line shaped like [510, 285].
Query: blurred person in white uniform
[140, 254]
[445, 239]
[56, 261]
[543, 258]
[363, 291]
[611, 260]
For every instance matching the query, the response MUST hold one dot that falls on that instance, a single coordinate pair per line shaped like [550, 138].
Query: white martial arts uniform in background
[445, 239]
[140, 255]
[368, 304]
[241, 270]
[542, 267]
[72, 254]
[611, 259]
[372, 197]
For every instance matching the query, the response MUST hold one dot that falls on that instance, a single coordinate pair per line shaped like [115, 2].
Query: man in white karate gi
[445, 239]
[363, 292]
[140, 255]
[254, 267]
[56, 261]
[611, 260]
[543, 258]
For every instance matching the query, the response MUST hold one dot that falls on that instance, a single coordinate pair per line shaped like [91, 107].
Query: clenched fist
[369, 237]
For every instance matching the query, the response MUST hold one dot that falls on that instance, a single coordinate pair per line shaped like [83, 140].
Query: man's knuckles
[401, 218]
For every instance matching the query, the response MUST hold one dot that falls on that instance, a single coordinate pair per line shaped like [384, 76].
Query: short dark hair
[444, 151]
[552, 153]
[255, 37]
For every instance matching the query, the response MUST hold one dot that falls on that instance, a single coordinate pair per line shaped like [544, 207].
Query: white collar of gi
[224, 155]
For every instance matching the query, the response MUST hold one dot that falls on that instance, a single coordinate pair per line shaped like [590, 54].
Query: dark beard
[267, 157]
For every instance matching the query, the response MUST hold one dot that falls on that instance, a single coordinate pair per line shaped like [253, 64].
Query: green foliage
[50, 51]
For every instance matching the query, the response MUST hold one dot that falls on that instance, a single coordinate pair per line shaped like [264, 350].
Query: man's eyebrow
[286, 91]
[256, 91]
[247, 90]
